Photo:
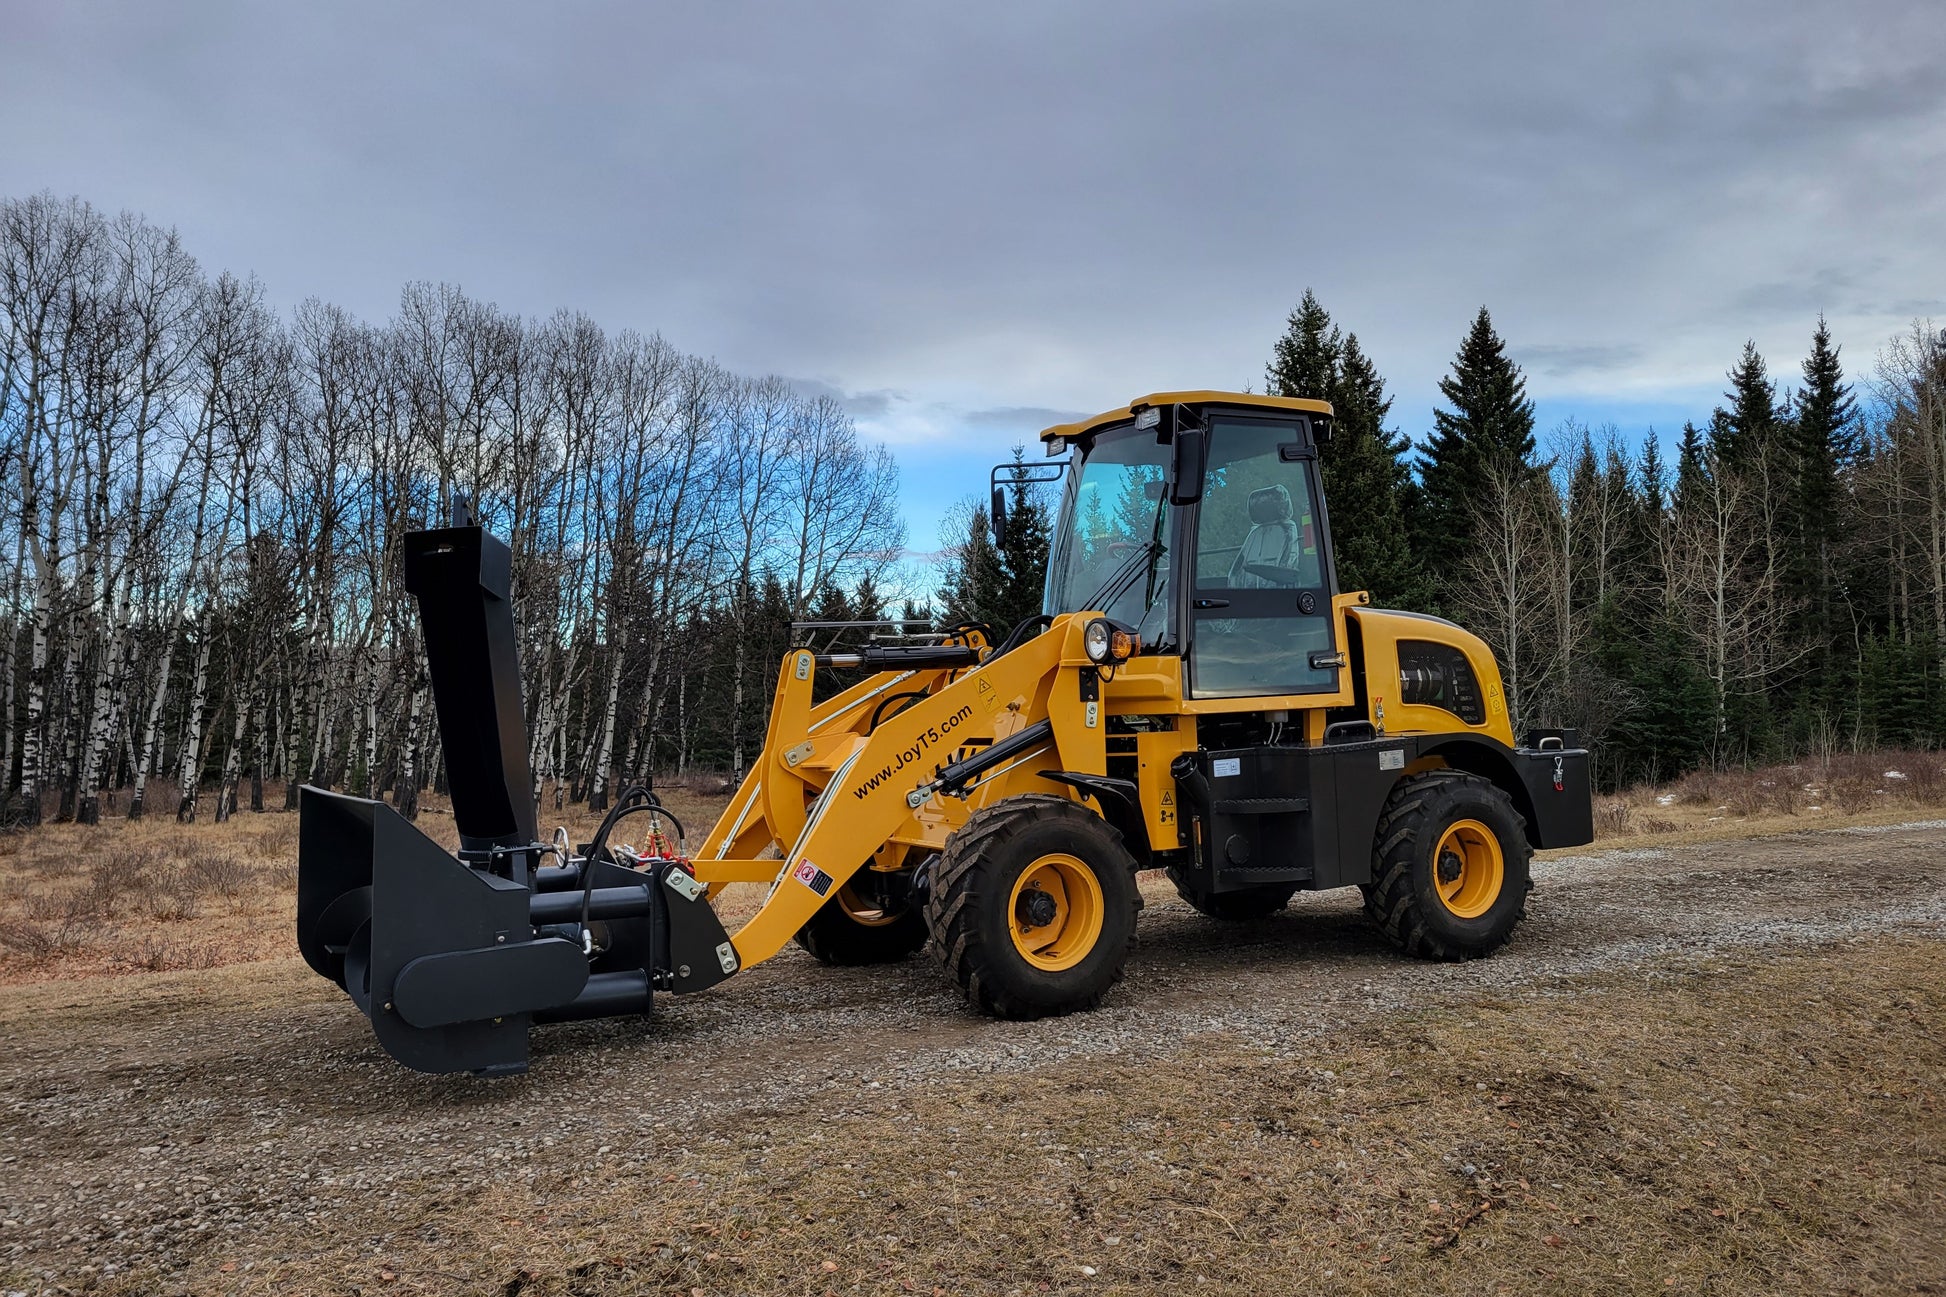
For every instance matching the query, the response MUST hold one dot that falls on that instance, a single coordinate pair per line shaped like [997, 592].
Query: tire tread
[953, 903]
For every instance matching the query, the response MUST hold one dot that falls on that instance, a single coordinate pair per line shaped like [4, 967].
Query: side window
[1257, 531]
[1262, 603]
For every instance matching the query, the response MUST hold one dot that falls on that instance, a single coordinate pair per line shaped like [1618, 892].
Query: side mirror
[997, 513]
[1192, 457]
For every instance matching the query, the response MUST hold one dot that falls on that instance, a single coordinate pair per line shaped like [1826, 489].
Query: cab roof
[1081, 428]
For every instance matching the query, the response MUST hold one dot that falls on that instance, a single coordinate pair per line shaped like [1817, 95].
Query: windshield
[1116, 509]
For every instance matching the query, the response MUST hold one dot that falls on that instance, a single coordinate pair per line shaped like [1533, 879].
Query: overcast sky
[971, 219]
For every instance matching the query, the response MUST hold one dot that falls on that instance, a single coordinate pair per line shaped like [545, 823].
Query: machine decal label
[1393, 760]
[923, 740]
[812, 877]
[989, 699]
[1224, 767]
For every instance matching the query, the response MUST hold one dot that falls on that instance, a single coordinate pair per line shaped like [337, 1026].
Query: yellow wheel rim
[1055, 912]
[862, 911]
[1468, 869]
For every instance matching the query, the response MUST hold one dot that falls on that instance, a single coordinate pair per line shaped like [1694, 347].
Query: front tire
[1450, 871]
[853, 929]
[1032, 907]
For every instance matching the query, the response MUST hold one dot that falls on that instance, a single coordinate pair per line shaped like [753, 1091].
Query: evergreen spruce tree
[974, 578]
[1024, 543]
[1666, 731]
[1692, 469]
[1304, 363]
[1366, 481]
[1651, 478]
[1365, 475]
[831, 603]
[1649, 501]
[915, 617]
[1745, 435]
[1824, 443]
[1001, 585]
[866, 602]
[1489, 429]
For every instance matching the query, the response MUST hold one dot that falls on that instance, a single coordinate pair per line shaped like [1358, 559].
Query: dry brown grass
[151, 895]
[1840, 789]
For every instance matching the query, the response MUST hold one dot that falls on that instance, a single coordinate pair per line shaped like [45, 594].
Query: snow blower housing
[453, 959]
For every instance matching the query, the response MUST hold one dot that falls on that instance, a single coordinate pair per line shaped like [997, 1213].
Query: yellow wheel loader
[1197, 697]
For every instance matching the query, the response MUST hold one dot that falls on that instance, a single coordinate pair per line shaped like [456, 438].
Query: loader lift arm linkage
[995, 800]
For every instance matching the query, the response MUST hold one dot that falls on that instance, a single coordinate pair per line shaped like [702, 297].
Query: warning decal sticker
[812, 877]
[989, 699]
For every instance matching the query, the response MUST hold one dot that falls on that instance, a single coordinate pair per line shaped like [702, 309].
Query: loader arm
[804, 745]
[889, 777]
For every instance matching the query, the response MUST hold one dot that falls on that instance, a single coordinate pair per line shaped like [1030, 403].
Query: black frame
[1189, 517]
[1185, 518]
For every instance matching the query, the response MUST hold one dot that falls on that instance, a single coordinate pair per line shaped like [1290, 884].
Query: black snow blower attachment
[453, 959]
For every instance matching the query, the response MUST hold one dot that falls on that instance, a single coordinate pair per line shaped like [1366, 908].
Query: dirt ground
[1706, 1064]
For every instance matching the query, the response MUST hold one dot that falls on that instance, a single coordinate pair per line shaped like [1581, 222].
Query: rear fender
[1549, 787]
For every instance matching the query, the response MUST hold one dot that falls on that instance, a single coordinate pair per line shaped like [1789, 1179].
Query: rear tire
[1450, 867]
[850, 931]
[1032, 907]
[1238, 906]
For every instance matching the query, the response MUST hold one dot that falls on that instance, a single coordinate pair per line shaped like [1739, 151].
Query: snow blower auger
[1198, 697]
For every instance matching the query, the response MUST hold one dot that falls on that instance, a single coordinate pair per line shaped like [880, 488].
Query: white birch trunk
[189, 772]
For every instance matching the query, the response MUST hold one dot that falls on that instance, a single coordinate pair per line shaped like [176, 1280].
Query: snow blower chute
[453, 959]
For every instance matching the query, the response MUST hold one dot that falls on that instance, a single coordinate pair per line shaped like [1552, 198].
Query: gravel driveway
[163, 1122]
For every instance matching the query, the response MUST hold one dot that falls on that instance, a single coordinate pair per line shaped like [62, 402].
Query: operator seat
[1272, 542]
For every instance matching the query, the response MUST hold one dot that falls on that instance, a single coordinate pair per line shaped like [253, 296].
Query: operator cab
[1198, 520]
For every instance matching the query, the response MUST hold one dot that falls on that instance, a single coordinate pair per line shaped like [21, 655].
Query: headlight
[1098, 639]
[1105, 642]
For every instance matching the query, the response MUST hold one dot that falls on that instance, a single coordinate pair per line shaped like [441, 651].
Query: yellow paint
[847, 801]
[866, 803]
[1064, 937]
[1381, 632]
[1201, 397]
[1468, 869]
[1153, 754]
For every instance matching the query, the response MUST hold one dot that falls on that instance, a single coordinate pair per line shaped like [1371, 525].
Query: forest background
[203, 500]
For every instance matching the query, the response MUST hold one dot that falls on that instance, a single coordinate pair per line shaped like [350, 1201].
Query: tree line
[199, 541]
[204, 499]
[1779, 589]
[1776, 590]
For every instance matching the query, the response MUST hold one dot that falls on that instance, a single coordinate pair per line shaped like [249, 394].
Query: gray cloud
[860, 405]
[1560, 361]
[949, 212]
[1020, 418]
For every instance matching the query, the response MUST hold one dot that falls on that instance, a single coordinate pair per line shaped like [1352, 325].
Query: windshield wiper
[1140, 563]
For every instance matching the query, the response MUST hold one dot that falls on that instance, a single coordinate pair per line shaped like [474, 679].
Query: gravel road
[168, 1120]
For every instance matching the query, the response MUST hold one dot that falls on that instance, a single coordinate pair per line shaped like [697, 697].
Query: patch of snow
[1891, 828]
